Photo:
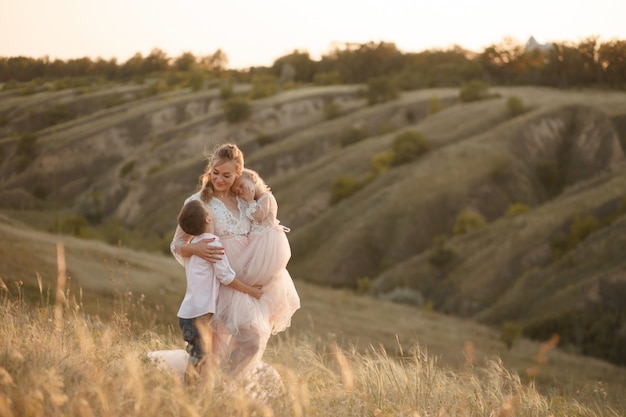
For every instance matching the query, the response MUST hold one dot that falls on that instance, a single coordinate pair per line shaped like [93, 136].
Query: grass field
[343, 355]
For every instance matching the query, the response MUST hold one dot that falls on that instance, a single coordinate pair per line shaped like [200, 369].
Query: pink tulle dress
[262, 262]
[258, 252]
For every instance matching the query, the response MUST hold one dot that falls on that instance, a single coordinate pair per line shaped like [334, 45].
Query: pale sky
[257, 32]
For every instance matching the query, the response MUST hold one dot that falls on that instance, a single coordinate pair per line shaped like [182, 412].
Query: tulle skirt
[250, 322]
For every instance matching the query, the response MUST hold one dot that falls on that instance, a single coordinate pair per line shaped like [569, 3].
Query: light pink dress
[264, 261]
[243, 324]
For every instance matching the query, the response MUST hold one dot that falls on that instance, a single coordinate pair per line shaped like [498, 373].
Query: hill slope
[111, 280]
[126, 169]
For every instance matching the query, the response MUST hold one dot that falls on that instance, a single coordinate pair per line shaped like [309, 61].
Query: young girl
[266, 235]
[264, 260]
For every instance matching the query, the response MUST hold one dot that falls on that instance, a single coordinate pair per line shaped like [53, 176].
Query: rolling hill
[121, 172]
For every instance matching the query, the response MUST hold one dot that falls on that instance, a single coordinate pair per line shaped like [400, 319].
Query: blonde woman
[244, 324]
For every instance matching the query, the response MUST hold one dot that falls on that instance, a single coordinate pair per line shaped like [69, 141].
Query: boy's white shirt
[203, 281]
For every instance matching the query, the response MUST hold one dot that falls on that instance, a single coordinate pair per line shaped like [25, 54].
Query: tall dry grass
[80, 366]
[57, 361]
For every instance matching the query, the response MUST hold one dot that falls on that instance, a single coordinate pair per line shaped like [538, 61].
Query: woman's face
[223, 176]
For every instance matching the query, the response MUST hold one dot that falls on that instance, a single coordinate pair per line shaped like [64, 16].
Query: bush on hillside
[264, 85]
[226, 89]
[327, 78]
[515, 106]
[591, 330]
[409, 80]
[381, 163]
[57, 114]
[407, 296]
[501, 169]
[127, 168]
[551, 176]
[509, 333]
[344, 186]
[408, 146]
[237, 109]
[352, 136]
[195, 80]
[474, 90]
[441, 255]
[264, 139]
[40, 192]
[468, 221]
[434, 105]
[156, 88]
[112, 100]
[363, 285]
[331, 110]
[516, 208]
[380, 90]
[26, 151]
[581, 227]
[74, 225]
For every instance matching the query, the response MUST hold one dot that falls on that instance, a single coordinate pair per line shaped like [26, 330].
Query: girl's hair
[260, 187]
[191, 217]
[221, 153]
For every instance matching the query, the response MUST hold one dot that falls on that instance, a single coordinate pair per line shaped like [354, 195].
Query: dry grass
[57, 361]
[79, 366]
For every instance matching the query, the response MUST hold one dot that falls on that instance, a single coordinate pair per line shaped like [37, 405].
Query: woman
[243, 324]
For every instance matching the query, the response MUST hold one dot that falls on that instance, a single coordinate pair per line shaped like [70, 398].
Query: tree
[216, 62]
[301, 63]
[380, 89]
[474, 90]
[133, 67]
[612, 61]
[185, 62]
[157, 61]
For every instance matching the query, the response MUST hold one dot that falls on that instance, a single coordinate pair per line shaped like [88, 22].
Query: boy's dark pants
[198, 339]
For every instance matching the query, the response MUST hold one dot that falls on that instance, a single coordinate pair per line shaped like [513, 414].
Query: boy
[203, 281]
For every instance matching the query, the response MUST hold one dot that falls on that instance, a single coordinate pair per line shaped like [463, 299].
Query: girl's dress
[263, 262]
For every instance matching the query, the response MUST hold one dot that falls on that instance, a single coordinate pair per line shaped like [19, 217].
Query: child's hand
[256, 291]
[246, 191]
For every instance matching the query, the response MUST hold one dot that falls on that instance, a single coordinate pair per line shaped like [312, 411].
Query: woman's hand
[205, 251]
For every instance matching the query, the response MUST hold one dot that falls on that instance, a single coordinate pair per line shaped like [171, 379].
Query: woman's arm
[181, 248]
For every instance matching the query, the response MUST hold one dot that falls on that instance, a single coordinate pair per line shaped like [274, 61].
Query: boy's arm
[252, 291]
[226, 275]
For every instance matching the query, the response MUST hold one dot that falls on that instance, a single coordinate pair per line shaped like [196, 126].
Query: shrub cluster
[237, 109]
[409, 146]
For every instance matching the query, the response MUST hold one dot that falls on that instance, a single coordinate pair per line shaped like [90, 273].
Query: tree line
[587, 63]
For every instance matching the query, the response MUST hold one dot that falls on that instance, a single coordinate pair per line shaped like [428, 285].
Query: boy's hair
[191, 217]
[260, 187]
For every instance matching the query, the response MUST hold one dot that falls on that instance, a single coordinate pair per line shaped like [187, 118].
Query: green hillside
[504, 219]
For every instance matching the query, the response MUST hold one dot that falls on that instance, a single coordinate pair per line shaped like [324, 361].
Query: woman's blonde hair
[260, 187]
[222, 153]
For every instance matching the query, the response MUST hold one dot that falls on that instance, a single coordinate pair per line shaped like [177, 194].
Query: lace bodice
[226, 223]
